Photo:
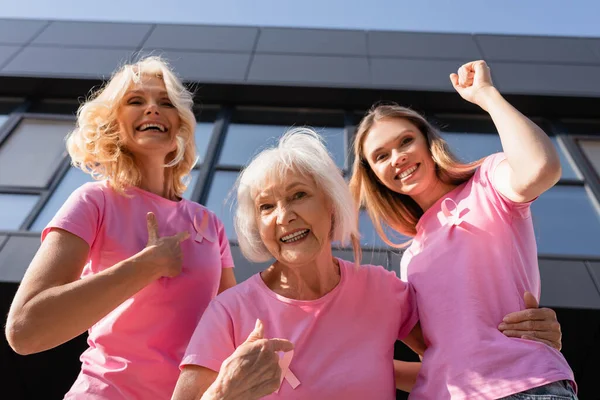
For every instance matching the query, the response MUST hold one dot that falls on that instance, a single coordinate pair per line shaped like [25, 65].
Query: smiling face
[399, 155]
[148, 120]
[294, 219]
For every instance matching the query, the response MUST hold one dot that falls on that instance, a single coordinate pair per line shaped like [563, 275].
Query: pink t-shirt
[134, 352]
[344, 341]
[471, 261]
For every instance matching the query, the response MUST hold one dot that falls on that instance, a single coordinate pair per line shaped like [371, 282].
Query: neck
[426, 199]
[154, 177]
[308, 281]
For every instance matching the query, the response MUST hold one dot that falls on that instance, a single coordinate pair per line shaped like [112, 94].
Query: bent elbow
[18, 340]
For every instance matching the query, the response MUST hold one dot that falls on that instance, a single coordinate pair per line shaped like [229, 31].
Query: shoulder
[240, 293]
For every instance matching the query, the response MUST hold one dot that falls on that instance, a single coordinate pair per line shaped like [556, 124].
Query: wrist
[214, 392]
[487, 96]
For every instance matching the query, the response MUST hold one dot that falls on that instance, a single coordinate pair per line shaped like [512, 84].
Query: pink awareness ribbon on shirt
[286, 372]
[204, 230]
[452, 216]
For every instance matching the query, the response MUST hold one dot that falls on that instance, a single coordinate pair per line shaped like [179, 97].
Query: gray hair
[300, 150]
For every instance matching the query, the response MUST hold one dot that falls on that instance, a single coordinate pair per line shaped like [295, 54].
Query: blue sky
[535, 17]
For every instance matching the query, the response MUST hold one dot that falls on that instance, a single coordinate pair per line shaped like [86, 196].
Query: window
[73, 179]
[32, 152]
[244, 141]
[194, 180]
[566, 222]
[591, 149]
[15, 208]
[472, 146]
[202, 137]
[221, 199]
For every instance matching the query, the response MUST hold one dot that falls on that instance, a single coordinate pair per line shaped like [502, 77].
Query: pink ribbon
[204, 229]
[452, 216]
[286, 372]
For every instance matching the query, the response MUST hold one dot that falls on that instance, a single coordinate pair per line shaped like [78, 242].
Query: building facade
[253, 83]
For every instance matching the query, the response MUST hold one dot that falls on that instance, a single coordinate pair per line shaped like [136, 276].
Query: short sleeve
[409, 314]
[226, 257]
[81, 214]
[488, 180]
[212, 341]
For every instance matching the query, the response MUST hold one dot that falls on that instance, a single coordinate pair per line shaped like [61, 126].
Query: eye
[380, 157]
[134, 101]
[299, 195]
[406, 140]
[265, 207]
[167, 103]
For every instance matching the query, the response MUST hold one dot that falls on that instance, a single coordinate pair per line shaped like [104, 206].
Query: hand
[473, 81]
[252, 371]
[163, 254]
[533, 323]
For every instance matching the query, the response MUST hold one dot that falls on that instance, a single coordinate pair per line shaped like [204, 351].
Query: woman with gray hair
[292, 204]
[342, 318]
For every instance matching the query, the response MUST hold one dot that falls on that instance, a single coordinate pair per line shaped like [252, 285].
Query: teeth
[408, 172]
[294, 236]
[160, 127]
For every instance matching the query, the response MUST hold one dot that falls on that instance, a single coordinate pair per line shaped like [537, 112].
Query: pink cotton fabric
[134, 352]
[470, 263]
[344, 341]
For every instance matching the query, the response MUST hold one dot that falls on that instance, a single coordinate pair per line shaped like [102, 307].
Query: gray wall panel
[546, 79]
[219, 67]
[19, 31]
[567, 284]
[331, 71]
[6, 52]
[595, 271]
[413, 74]
[422, 45]
[15, 257]
[312, 41]
[66, 62]
[213, 38]
[104, 34]
[538, 49]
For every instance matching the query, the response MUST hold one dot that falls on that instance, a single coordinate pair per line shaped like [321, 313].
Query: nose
[398, 158]
[151, 109]
[285, 215]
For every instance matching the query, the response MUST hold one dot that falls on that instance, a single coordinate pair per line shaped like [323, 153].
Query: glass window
[591, 149]
[566, 222]
[220, 201]
[243, 141]
[190, 189]
[14, 208]
[370, 238]
[73, 179]
[472, 146]
[31, 154]
[202, 136]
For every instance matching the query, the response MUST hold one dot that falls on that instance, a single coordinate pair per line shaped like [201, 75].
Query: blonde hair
[96, 147]
[302, 151]
[398, 211]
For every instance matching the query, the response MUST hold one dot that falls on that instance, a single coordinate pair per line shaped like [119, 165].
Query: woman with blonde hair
[126, 258]
[473, 254]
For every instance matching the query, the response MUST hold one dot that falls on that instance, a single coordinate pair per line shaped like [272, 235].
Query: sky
[525, 17]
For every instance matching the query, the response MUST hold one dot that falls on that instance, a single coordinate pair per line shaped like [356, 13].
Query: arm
[52, 305]
[227, 279]
[533, 164]
[406, 374]
[194, 382]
